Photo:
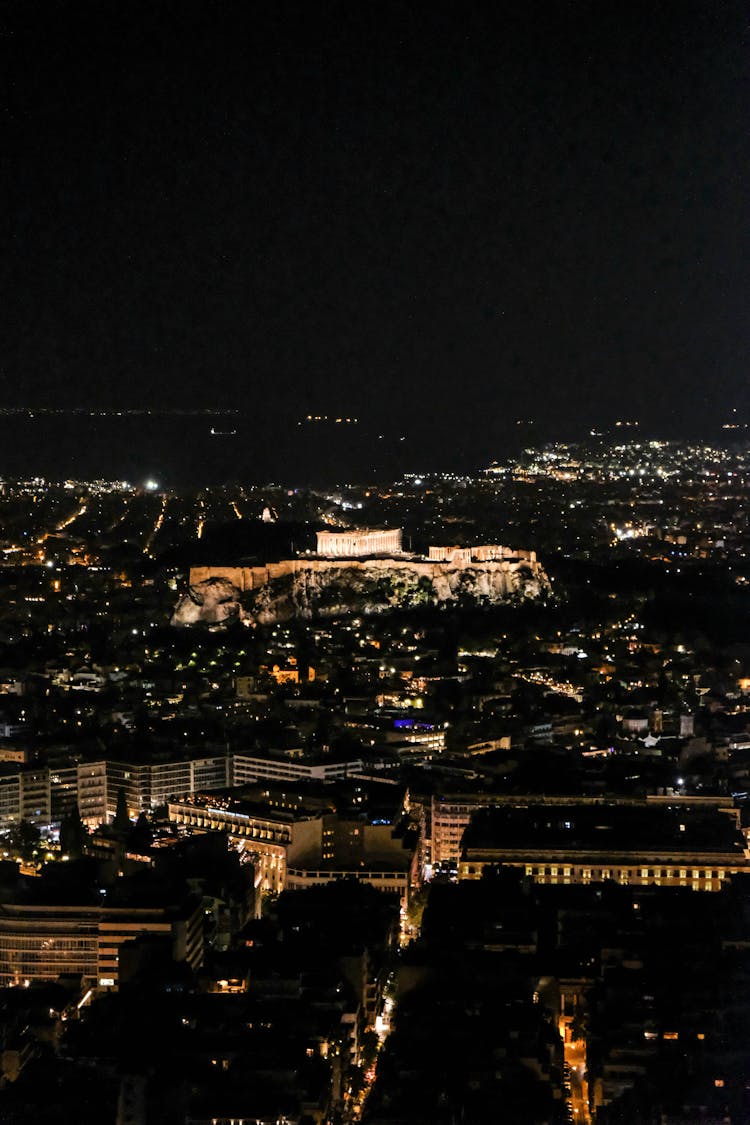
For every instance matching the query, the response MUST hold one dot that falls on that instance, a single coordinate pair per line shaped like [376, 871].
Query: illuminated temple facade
[356, 544]
[351, 543]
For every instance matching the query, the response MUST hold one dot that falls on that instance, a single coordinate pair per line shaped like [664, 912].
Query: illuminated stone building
[354, 544]
[464, 556]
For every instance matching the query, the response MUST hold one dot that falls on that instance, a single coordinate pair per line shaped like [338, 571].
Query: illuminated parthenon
[355, 544]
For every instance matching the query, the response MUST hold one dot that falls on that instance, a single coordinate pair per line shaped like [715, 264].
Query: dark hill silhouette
[242, 542]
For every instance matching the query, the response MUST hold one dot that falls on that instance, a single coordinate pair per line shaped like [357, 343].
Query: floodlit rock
[213, 601]
[308, 588]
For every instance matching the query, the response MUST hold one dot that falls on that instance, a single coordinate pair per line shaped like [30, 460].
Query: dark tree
[73, 834]
[141, 838]
[122, 822]
[25, 840]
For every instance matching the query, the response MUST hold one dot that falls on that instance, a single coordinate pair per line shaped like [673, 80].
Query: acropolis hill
[359, 572]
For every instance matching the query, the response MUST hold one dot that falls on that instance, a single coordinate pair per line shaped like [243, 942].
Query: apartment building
[248, 768]
[46, 794]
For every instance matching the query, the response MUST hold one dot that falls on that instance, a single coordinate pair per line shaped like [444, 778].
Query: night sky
[415, 212]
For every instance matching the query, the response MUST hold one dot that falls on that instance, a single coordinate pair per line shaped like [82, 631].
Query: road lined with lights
[157, 526]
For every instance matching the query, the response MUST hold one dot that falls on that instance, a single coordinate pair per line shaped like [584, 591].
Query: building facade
[247, 768]
[262, 835]
[490, 552]
[46, 794]
[40, 942]
[294, 850]
[668, 844]
[355, 544]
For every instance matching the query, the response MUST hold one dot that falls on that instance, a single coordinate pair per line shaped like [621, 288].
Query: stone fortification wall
[248, 578]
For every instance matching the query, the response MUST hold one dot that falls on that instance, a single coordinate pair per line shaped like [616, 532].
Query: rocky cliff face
[324, 588]
[214, 601]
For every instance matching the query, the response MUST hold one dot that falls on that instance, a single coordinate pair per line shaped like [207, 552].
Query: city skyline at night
[374, 563]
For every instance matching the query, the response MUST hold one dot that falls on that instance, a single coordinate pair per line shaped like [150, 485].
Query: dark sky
[464, 211]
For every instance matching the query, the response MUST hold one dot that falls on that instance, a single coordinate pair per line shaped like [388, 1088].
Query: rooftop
[626, 830]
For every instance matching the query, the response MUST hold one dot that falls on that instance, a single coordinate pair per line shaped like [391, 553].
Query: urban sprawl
[413, 801]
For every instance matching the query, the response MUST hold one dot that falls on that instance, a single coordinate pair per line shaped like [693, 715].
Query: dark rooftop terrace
[612, 828]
